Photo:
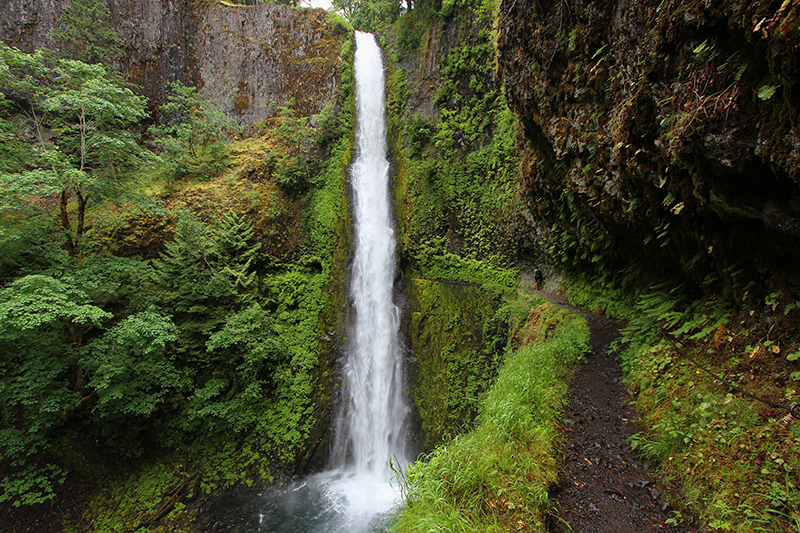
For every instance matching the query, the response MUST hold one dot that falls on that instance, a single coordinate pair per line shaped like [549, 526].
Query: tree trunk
[75, 410]
[82, 201]
[72, 249]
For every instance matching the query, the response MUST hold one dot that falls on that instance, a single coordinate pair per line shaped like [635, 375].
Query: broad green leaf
[766, 91]
[38, 300]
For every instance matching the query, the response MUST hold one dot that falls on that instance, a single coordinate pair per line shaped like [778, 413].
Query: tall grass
[496, 477]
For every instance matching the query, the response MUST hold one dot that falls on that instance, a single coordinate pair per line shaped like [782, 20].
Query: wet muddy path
[604, 486]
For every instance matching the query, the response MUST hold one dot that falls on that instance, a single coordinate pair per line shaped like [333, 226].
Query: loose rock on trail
[604, 487]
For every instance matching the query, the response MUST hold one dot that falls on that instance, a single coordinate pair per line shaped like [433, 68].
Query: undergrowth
[727, 459]
[301, 226]
[495, 478]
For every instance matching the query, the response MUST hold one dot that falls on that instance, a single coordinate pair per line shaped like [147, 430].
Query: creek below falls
[371, 428]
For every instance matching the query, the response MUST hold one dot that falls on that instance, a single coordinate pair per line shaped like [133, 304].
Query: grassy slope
[495, 477]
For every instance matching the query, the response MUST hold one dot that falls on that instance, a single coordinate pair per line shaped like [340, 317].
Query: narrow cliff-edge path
[604, 486]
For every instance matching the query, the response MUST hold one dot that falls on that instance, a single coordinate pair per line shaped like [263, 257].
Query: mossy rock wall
[457, 342]
[452, 139]
[661, 137]
[454, 172]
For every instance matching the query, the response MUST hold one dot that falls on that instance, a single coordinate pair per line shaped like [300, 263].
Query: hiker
[537, 277]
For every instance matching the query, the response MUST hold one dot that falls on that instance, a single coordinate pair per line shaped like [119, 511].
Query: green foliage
[183, 272]
[331, 128]
[455, 179]
[369, 15]
[327, 209]
[131, 373]
[132, 376]
[497, 476]
[398, 96]
[466, 105]
[36, 300]
[765, 92]
[297, 165]
[293, 3]
[341, 24]
[599, 296]
[300, 145]
[36, 389]
[87, 32]
[706, 51]
[15, 154]
[235, 252]
[26, 245]
[735, 459]
[409, 35]
[193, 134]
[50, 377]
[233, 400]
[81, 116]
[34, 484]
[419, 133]
[448, 8]
[432, 259]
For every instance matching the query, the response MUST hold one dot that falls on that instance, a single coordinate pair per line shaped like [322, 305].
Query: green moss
[496, 477]
[457, 335]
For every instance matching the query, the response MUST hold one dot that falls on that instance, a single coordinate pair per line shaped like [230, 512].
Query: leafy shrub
[193, 135]
[419, 132]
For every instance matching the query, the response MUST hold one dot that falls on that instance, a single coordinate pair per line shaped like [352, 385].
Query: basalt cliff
[244, 59]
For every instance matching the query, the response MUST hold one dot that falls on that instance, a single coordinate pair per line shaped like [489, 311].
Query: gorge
[371, 427]
[644, 153]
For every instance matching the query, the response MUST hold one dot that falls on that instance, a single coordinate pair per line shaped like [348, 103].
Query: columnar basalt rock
[244, 59]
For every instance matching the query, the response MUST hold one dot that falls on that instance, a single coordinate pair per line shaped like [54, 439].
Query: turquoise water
[331, 502]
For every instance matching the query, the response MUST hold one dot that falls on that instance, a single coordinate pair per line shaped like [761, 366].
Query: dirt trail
[604, 487]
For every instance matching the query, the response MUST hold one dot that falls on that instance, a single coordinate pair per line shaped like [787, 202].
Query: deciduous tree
[371, 15]
[43, 378]
[82, 118]
[132, 375]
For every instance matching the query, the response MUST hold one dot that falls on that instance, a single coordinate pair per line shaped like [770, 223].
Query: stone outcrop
[662, 136]
[244, 59]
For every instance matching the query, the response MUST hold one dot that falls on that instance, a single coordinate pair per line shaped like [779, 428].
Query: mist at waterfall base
[360, 493]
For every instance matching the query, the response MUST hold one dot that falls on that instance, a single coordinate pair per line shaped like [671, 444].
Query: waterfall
[357, 495]
[375, 408]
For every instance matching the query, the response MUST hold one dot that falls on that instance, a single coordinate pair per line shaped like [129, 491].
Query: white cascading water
[359, 495]
[376, 408]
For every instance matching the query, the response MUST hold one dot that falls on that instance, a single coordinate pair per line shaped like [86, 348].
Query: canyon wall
[661, 137]
[244, 59]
